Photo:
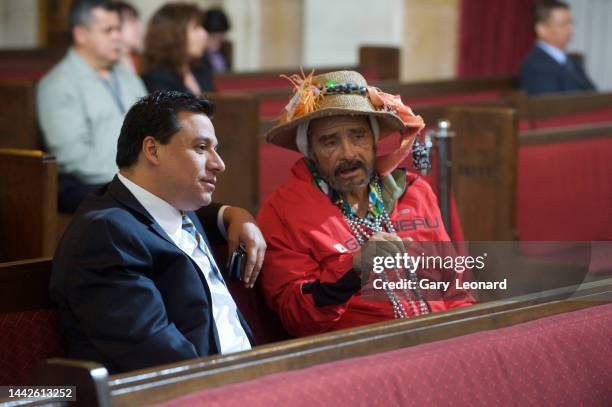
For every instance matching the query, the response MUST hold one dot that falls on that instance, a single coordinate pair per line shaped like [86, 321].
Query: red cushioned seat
[564, 191]
[264, 323]
[26, 339]
[560, 360]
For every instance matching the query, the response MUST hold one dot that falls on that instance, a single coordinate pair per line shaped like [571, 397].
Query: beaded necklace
[363, 228]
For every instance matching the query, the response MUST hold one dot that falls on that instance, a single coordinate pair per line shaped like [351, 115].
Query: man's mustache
[347, 165]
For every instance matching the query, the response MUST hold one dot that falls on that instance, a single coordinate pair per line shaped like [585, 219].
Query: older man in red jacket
[340, 200]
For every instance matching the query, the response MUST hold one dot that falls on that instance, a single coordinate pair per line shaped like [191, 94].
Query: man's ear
[541, 30]
[79, 34]
[150, 150]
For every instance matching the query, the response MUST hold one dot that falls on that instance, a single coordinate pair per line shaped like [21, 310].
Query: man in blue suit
[133, 275]
[547, 68]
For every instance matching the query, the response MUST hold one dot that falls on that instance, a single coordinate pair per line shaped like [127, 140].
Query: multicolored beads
[363, 229]
[333, 88]
[420, 156]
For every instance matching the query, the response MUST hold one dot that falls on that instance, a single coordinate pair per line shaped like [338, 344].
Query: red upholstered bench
[29, 325]
[560, 360]
[27, 339]
[564, 190]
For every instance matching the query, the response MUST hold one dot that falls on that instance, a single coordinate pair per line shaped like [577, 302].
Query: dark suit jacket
[128, 297]
[540, 73]
[165, 78]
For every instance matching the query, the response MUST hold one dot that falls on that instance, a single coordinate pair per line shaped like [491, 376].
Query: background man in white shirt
[82, 101]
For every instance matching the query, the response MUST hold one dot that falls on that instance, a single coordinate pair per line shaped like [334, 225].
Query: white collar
[557, 54]
[168, 217]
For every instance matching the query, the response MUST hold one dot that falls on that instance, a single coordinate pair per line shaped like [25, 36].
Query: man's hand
[242, 230]
[380, 244]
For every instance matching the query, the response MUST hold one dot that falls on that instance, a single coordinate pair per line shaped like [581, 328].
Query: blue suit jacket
[128, 297]
[540, 73]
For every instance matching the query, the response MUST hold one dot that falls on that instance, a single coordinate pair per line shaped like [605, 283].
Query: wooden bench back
[484, 159]
[18, 123]
[385, 61]
[539, 108]
[236, 122]
[28, 204]
[413, 91]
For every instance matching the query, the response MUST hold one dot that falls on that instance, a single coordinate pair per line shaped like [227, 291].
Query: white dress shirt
[555, 53]
[232, 337]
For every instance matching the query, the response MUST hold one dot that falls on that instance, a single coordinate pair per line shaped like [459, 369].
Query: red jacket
[307, 277]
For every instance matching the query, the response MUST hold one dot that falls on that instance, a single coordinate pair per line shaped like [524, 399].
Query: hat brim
[283, 135]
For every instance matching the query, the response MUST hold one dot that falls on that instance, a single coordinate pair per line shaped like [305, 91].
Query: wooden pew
[483, 171]
[18, 123]
[20, 58]
[552, 182]
[26, 312]
[369, 65]
[458, 90]
[385, 61]
[559, 110]
[28, 204]
[169, 382]
[32, 64]
[28, 64]
[563, 183]
[29, 321]
[236, 122]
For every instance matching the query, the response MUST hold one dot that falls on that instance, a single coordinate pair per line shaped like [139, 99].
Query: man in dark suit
[133, 275]
[547, 68]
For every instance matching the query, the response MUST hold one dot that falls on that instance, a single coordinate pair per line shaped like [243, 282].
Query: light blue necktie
[188, 226]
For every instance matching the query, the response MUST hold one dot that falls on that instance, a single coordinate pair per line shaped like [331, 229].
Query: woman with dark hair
[174, 45]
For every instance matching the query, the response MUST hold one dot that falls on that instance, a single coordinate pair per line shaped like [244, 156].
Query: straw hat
[333, 94]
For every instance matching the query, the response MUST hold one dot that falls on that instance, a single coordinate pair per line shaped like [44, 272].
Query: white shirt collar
[557, 54]
[168, 217]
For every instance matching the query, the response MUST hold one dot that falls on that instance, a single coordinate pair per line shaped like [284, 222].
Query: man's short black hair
[124, 8]
[544, 8]
[80, 11]
[155, 115]
[215, 21]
